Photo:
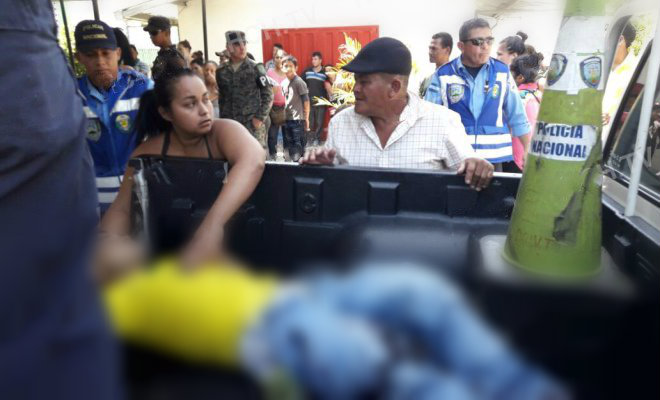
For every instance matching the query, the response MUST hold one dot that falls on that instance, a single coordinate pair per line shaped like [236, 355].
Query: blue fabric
[294, 137]
[331, 337]
[112, 149]
[54, 342]
[495, 111]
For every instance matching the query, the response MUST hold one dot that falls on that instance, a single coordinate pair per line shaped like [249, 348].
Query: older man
[390, 127]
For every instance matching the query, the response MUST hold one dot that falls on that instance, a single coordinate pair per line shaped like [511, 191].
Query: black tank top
[166, 145]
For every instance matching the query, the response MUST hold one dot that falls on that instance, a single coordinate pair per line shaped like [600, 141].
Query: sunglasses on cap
[481, 41]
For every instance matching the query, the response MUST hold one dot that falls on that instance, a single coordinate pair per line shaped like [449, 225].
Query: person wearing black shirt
[319, 86]
[159, 31]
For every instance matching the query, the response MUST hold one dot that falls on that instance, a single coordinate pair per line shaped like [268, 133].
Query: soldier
[245, 93]
[159, 31]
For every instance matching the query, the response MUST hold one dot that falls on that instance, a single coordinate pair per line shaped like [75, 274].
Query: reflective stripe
[502, 77]
[107, 198]
[108, 182]
[126, 105]
[89, 113]
[491, 139]
[490, 154]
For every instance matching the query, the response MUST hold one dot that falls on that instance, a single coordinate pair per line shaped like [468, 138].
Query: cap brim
[358, 67]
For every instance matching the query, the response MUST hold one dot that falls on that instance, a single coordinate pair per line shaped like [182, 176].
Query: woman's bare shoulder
[152, 146]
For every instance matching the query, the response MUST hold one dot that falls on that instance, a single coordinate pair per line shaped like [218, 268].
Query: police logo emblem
[93, 129]
[496, 91]
[557, 68]
[456, 93]
[591, 71]
[123, 123]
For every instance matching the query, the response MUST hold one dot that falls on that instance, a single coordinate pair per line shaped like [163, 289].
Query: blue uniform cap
[94, 35]
[382, 55]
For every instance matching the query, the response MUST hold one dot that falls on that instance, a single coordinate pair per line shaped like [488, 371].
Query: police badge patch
[557, 68]
[456, 93]
[93, 129]
[123, 123]
[496, 91]
[591, 71]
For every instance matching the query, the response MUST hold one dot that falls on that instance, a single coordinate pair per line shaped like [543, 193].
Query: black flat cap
[157, 23]
[382, 55]
[91, 35]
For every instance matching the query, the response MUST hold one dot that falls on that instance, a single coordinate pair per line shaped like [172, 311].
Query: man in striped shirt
[111, 100]
[390, 127]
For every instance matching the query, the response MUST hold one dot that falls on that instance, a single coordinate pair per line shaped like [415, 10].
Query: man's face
[158, 38]
[289, 69]
[102, 66]
[475, 55]
[316, 61]
[371, 94]
[237, 50]
[437, 54]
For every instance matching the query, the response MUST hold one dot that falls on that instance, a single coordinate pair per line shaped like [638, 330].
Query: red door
[302, 42]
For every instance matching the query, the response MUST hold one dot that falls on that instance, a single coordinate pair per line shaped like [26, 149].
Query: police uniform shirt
[480, 88]
[244, 93]
[111, 134]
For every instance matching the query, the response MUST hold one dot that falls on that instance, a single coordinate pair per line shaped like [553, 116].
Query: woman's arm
[117, 220]
[247, 159]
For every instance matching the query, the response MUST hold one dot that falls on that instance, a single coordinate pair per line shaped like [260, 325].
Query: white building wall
[411, 21]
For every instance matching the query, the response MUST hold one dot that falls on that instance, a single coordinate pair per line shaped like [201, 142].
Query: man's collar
[100, 93]
[462, 67]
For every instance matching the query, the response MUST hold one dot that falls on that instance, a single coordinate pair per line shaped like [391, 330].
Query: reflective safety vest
[450, 87]
[111, 134]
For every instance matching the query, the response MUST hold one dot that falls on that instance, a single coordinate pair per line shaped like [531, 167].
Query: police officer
[159, 31]
[111, 100]
[54, 342]
[245, 92]
[482, 90]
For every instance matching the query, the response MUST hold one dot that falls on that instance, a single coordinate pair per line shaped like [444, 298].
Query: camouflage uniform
[166, 56]
[245, 94]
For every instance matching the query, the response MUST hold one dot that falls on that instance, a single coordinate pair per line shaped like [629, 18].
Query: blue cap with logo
[91, 35]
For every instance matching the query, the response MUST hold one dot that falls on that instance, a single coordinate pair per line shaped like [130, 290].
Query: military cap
[382, 55]
[94, 35]
[157, 23]
[235, 36]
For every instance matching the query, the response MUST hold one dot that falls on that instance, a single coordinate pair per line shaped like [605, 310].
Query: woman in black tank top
[176, 120]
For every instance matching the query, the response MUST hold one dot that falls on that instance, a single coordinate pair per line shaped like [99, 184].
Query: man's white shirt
[428, 136]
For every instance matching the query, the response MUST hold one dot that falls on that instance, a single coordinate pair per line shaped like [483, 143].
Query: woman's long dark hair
[528, 66]
[125, 46]
[149, 122]
[516, 44]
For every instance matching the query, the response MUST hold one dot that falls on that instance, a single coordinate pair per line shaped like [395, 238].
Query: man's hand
[307, 125]
[256, 122]
[319, 156]
[478, 172]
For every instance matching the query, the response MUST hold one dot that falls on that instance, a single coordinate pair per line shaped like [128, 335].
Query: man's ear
[77, 56]
[461, 46]
[165, 114]
[396, 86]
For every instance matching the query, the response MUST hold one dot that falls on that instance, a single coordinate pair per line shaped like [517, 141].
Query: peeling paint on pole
[556, 225]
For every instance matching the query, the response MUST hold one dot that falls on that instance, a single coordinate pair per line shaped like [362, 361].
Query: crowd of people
[474, 116]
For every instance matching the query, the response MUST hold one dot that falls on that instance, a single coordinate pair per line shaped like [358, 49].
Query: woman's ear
[165, 114]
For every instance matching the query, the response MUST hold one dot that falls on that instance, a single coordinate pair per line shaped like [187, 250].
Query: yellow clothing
[196, 315]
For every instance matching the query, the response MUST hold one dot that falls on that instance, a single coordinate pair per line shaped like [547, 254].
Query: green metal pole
[556, 224]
